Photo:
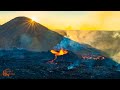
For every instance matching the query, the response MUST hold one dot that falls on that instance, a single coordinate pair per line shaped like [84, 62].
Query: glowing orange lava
[58, 53]
[7, 72]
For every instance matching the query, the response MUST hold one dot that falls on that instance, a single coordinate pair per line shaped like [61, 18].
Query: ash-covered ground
[34, 65]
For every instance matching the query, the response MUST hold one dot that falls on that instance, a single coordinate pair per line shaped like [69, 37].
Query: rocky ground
[35, 65]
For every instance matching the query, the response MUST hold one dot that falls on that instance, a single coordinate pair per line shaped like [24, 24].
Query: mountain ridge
[22, 30]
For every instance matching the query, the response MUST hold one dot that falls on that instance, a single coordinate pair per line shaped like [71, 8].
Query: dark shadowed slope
[34, 65]
[22, 32]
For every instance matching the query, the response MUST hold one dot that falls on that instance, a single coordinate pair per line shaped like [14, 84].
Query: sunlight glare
[34, 19]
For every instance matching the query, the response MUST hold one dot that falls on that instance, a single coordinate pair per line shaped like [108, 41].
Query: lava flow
[7, 72]
[58, 53]
[94, 57]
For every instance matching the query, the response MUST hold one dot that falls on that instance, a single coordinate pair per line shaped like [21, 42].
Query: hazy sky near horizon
[69, 20]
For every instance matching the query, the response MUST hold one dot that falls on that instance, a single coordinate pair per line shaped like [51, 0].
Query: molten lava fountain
[58, 53]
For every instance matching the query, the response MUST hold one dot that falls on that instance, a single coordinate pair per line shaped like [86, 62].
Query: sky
[69, 20]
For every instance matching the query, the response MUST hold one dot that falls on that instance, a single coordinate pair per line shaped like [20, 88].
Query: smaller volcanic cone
[58, 53]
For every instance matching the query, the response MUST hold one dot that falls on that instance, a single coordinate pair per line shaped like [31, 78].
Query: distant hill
[22, 32]
[0, 27]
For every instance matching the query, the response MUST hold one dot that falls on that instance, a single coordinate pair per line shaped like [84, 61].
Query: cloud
[103, 20]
